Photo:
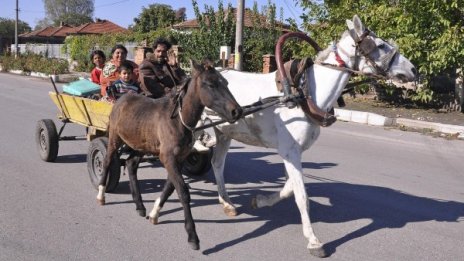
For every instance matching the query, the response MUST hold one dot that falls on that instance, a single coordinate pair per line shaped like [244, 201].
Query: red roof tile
[247, 21]
[98, 27]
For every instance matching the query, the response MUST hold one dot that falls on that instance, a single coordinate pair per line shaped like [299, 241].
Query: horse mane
[322, 55]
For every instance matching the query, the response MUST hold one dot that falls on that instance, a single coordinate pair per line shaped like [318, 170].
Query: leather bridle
[365, 46]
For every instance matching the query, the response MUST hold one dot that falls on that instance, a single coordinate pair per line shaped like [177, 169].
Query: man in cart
[159, 74]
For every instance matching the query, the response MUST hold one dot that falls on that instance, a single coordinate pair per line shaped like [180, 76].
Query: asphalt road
[375, 194]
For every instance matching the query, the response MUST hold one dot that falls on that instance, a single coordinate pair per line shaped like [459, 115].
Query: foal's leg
[175, 176]
[114, 142]
[218, 162]
[159, 203]
[132, 164]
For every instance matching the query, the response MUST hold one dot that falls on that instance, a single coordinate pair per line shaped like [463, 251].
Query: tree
[71, 12]
[157, 16]
[7, 27]
[43, 23]
[261, 38]
[431, 33]
[216, 28]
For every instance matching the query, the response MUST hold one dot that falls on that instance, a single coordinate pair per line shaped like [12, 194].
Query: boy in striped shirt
[125, 84]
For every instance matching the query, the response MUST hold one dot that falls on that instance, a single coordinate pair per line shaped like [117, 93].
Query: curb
[61, 78]
[379, 120]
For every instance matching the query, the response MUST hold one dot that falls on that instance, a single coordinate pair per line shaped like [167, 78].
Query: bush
[80, 47]
[30, 62]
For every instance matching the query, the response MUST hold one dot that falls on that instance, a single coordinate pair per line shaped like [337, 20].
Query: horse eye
[211, 84]
[381, 46]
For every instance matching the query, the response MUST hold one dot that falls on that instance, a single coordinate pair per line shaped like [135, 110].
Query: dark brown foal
[164, 127]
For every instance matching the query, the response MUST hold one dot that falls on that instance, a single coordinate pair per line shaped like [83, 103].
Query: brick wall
[269, 63]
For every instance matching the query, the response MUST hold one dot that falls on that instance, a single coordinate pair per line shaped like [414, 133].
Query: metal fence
[56, 50]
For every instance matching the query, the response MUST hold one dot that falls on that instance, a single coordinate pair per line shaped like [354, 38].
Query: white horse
[290, 131]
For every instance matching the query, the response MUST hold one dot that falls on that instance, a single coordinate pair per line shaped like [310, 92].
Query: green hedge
[80, 47]
[34, 63]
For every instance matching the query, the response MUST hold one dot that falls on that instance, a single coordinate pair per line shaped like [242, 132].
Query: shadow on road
[384, 207]
[73, 158]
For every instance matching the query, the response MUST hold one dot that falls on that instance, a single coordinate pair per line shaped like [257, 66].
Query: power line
[32, 11]
[114, 3]
[290, 9]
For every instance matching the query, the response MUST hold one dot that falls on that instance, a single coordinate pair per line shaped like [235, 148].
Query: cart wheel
[46, 138]
[197, 164]
[95, 157]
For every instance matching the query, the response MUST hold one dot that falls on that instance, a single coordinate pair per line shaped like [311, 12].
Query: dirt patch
[368, 103]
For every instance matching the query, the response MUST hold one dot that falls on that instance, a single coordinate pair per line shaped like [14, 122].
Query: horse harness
[300, 91]
[364, 47]
[178, 98]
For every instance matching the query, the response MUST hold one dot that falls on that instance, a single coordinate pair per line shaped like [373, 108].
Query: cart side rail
[83, 111]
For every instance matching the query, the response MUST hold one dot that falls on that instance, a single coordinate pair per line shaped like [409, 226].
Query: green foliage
[30, 62]
[72, 12]
[216, 29]
[429, 33]
[157, 16]
[7, 27]
[80, 47]
[423, 96]
[261, 38]
[362, 88]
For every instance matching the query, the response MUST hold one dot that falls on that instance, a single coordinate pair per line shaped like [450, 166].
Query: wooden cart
[94, 115]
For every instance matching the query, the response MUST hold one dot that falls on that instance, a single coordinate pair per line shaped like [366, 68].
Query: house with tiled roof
[248, 18]
[57, 35]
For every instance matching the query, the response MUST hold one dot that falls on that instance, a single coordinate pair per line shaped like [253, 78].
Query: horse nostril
[237, 113]
[414, 71]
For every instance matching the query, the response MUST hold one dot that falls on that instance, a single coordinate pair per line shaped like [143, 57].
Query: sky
[123, 12]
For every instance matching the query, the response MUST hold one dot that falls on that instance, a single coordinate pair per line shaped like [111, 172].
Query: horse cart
[94, 116]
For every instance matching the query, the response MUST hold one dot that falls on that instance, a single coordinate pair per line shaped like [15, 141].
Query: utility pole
[239, 35]
[16, 30]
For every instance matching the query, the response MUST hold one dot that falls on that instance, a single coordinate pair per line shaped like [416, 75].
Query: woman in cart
[110, 72]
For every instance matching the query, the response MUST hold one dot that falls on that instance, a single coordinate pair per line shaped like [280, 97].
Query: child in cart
[124, 85]
[98, 58]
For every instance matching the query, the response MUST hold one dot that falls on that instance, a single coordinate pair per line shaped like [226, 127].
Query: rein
[364, 46]
[352, 71]
[178, 98]
[255, 107]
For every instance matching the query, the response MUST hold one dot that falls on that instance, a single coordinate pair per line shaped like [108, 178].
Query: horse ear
[352, 31]
[358, 25]
[208, 64]
[195, 66]
[350, 24]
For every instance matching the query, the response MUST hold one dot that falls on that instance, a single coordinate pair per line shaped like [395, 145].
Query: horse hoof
[254, 203]
[231, 212]
[194, 245]
[101, 202]
[142, 212]
[318, 252]
[154, 221]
